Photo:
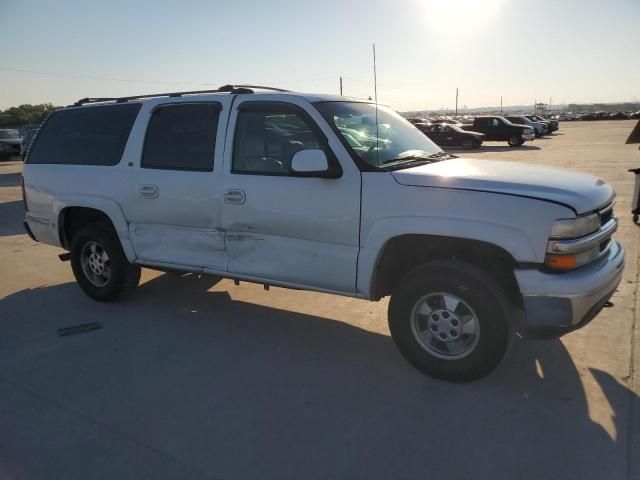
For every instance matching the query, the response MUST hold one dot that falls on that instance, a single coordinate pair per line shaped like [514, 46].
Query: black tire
[515, 140]
[475, 288]
[469, 144]
[124, 276]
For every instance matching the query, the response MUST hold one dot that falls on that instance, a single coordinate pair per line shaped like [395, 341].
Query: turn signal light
[562, 262]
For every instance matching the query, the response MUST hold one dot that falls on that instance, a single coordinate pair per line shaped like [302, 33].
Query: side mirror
[311, 163]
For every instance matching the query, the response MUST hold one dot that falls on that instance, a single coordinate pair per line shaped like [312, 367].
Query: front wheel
[515, 140]
[469, 144]
[100, 265]
[450, 320]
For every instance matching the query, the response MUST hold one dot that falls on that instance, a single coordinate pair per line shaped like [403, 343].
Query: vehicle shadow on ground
[11, 216]
[9, 179]
[238, 390]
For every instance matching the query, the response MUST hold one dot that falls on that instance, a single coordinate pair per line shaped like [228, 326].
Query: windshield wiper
[441, 155]
[434, 157]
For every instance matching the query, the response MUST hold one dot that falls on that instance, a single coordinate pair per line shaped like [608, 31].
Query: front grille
[604, 245]
[606, 214]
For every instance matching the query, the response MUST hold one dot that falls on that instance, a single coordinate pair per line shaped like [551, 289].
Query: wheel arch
[73, 212]
[402, 254]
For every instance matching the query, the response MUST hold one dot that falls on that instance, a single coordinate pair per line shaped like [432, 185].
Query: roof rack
[237, 89]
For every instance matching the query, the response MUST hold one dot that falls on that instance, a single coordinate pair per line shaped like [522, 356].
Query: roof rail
[263, 88]
[238, 89]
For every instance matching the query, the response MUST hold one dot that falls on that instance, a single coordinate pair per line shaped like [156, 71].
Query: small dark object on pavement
[86, 327]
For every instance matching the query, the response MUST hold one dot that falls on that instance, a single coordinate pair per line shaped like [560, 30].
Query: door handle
[234, 197]
[148, 191]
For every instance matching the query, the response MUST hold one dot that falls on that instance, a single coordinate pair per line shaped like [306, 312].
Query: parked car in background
[10, 142]
[26, 140]
[500, 129]
[539, 127]
[415, 120]
[552, 125]
[449, 121]
[446, 135]
[25, 128]
[619, 116]
[422, 125]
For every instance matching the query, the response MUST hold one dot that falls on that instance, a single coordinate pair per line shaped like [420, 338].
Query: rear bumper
[555, 304]
[41, 228]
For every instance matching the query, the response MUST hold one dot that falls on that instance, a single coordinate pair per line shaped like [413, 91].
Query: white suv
[330, 194]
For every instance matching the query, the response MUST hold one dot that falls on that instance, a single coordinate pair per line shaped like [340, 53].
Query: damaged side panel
[184, 246]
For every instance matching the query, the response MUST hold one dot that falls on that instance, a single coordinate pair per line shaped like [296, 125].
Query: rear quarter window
[84, 136]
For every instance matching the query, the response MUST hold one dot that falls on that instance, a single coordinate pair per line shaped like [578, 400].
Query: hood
[580, 191]
[524, 127]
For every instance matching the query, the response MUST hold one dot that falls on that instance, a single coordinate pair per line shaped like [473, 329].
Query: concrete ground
[193, 378]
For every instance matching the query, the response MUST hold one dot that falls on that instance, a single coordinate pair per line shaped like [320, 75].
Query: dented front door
[283, 228]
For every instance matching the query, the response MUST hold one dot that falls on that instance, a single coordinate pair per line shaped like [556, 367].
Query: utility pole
[550, 102]
[500, 103]
[341, 85]
[456, 101]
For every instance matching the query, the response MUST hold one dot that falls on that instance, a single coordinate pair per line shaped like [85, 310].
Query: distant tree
[25, 114]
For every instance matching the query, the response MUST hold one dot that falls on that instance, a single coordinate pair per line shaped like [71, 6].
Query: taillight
[24, 194]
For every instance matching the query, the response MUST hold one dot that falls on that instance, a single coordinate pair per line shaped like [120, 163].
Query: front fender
[510, 239]
[106, 205]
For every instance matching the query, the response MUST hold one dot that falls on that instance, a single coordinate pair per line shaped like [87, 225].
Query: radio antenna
[375, 95]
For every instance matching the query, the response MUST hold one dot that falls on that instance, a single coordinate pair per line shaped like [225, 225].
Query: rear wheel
[100, 265]
[450, 320]
[515, 140]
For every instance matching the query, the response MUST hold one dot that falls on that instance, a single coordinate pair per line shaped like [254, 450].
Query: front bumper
[528, 136]
[558, 303]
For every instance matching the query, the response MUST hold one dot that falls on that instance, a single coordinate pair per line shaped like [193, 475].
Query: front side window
[88, 135]
[269, 135]
[182, 136]
[393, 140]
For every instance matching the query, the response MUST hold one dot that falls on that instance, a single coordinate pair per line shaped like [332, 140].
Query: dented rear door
[174, 204]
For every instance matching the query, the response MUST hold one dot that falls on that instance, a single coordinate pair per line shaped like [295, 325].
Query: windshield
[394, 141]
[9, 134]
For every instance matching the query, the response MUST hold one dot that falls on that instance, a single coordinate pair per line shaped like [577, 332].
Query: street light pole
[456, 101]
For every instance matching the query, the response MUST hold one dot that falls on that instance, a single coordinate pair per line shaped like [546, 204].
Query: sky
[572, 51]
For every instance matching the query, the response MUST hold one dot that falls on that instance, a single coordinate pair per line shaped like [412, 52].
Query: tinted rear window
[85, 136]
[182, 136]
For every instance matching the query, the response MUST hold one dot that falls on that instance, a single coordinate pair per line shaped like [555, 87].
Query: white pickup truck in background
[330, 194]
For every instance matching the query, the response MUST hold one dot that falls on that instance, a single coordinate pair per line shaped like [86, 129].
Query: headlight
[575, 227]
